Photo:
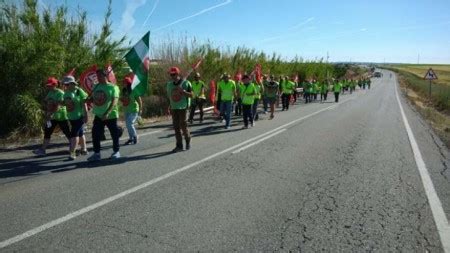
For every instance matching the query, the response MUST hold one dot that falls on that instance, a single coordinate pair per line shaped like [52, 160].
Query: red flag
[88, 79]
[238, 76]
[258, 73]
[110, 76]
[71, 72]
[197, 64]
[212, 95]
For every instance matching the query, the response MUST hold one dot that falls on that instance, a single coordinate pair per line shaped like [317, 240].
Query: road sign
[430, 75]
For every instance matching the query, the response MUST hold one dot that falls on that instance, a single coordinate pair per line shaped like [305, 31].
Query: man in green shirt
[259, 90]
[55, 114]
[247, 92]
[337, 87]
[287, 88]
[227, 89]
[180, 93]
[198, 97]
[105, 97]
[75, 101]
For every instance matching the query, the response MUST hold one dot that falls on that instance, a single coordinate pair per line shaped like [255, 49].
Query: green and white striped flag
[139, 62]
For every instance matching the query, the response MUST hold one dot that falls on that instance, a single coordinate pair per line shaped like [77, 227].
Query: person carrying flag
[180, 92]
[227, 89]
[55, 114]
[105, 97]
[132, 105]
[198, 97]
[75, 102]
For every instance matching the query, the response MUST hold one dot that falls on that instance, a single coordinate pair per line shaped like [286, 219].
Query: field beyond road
[442, 71]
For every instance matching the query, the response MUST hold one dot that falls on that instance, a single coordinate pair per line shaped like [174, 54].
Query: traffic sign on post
[430, 75]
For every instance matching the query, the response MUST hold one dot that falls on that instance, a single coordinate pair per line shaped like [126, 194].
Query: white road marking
[120, 195]
[439, 215]
[258, 141]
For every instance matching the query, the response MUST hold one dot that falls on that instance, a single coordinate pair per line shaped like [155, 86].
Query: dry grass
[442, 71]
[439, 121]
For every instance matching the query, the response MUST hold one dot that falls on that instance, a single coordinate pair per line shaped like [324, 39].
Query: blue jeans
[130, 119]
[225, 110]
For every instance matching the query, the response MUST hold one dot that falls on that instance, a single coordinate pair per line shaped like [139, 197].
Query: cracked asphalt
[344, 180]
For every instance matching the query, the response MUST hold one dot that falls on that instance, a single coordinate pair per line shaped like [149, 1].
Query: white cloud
[195, 15]
[301, 23]
[128, 20]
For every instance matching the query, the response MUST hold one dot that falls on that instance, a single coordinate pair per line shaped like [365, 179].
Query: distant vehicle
[377, 74]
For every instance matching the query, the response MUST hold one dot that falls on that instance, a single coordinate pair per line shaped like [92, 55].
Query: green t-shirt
[74, 101]
[54, 99]
[287, 87]
[247, 93]
[130, 101]
[178, 100]
[227, 90]
[337, 87]
[323, 88]
[197, 89]
[271, 89]
[103, 95]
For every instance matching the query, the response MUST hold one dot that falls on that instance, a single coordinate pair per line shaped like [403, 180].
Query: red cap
[51, 81]
[127, 80]
[174, 70]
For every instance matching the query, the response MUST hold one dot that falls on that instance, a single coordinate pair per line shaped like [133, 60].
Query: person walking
[75, 102]
[55, 114]
[105, 97]
[271, 91]
[198, 97]
[287, 88]
[227, 89]
[180, 93]
[337, 87]
[247, 93]
[323, 91]
[259, 88]
[132, 105]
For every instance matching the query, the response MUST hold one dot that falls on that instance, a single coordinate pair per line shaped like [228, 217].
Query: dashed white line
[258, 141]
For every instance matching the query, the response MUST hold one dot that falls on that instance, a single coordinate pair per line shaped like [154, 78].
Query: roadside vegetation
[36, 43]
[436, 109]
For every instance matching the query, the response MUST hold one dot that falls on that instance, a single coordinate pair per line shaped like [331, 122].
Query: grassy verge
[435, 109]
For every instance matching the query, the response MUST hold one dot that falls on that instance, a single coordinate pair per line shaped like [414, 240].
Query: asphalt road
[319, 177]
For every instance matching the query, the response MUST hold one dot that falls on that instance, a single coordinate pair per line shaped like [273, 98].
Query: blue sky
[356, 30]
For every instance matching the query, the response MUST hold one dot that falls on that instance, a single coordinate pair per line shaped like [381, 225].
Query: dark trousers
[307, 97]
[247, 112]
[295, 96]
[285, 100]
[336, 97]
[265, 104]
[98, 130]
[196, 102]
[63, 125]
[180, 125]
[323, 96]
[76, 128]
[238, 107]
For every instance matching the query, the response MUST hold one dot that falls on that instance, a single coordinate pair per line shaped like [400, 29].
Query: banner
[88, 79]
